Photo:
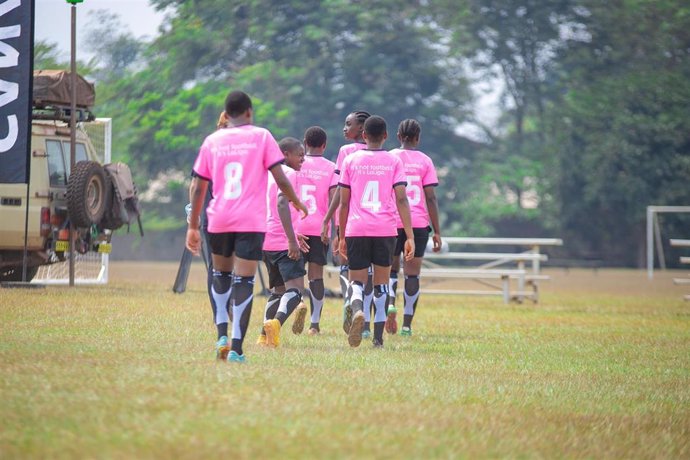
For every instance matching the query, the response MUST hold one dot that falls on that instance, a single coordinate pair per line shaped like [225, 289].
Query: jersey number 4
[370, 198]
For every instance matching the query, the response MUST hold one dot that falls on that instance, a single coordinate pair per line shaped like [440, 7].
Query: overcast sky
[53, 19]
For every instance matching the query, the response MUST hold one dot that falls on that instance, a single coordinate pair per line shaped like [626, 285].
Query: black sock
[242, 298]
[288, 303]
[316, 298]
[219, 292]
[344, 281]
[410, 296]
[380, 299]
[356, 296]
[271, 308]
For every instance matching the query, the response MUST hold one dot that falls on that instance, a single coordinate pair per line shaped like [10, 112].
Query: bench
[683, 260]
[522, 267]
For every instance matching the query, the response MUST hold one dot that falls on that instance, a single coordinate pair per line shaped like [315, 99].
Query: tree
[622, 134]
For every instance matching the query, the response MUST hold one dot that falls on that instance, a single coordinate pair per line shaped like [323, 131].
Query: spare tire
[89, 193]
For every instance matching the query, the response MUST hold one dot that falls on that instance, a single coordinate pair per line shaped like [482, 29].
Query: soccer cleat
[313, 331]
[406, 331]
[347, 318]
[300, 314]
[354, 336]
[377, 343]
[261, 340]
[272, 330]
[391, 323]
[366, 333]
[233, 357]
[222, 348]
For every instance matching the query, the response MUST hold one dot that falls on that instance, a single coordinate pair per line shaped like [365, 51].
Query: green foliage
[593, 123]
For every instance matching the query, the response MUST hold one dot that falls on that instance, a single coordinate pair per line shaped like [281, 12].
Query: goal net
[92, 267]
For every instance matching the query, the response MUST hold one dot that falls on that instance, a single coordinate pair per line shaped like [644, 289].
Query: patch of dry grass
[127, 371]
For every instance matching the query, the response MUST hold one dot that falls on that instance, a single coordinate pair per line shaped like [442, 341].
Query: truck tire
[15, 273]
[89, 193]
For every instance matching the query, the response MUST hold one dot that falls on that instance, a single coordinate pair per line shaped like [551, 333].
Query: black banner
[16, 62]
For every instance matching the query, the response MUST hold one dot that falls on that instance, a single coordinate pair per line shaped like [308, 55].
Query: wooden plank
[527, 256]
[505, 241]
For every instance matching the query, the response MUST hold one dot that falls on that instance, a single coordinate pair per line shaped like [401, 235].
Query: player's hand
[437, 242]
[193, 241]
[302, 243]
[409, 249]
[301, 207]
[336, 244]
[293, 250]
[324, 233]
[342, 249]
[223, 120]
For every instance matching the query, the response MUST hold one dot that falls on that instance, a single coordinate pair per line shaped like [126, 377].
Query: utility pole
[73, 124]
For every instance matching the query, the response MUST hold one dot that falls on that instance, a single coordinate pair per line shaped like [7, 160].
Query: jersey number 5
[233, 181]
[308, 198]
[370, 197]
[414, 191]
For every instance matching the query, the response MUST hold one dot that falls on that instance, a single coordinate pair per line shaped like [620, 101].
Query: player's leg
[368, 304]
[412, 270]
[247, 256]
[391, 310]
[277, 287]
[317, 260]
[359, 260]
[292, 272]
[410, 294]
[220, 287]
[382, 258]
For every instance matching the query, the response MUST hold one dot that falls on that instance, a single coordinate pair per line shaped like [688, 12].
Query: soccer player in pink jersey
[352, 130]
[282, 255]
[372, 192]
[316, 186]
[421, 181]
[236, 161]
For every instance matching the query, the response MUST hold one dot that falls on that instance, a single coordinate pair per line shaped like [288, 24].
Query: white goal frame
[90, 268]
[654, 235]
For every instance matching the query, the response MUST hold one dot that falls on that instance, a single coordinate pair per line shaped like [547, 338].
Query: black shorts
[317, 251]
[246, 245]
[421, 238]
[362, 251]
[281, 268]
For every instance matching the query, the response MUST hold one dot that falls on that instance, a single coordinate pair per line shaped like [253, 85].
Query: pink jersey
[236, 160]
[420, 173]
[314, 182]
[344, 151]
[371, 175]
[276, 239]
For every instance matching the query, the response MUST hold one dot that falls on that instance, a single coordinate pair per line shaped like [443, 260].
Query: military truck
[57, 196]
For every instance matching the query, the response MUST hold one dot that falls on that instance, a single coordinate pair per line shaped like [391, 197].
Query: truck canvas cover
[54, 87]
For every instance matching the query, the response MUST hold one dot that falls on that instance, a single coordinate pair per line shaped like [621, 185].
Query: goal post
[92, 267]
[654, 234]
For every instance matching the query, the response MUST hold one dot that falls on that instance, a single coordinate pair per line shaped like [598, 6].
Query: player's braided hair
[409, 130]
[361, 116]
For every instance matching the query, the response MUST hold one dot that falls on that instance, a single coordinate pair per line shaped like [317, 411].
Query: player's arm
[432, 208]
[334, 197]
[197, 192]
[342, 217]
[286, 221]
[286, 187]
[404, 210]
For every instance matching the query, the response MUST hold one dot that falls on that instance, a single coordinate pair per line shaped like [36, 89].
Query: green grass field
[599, 369]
